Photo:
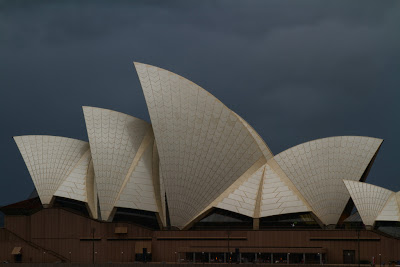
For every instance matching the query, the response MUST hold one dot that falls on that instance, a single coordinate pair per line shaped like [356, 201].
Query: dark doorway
[296, 258]
[349, 257]
[18, 258]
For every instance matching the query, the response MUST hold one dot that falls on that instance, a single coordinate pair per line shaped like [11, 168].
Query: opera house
[197, 185]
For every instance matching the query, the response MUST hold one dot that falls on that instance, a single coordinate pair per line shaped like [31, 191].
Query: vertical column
[240, 257]
[224, 257]
[209, 257]
[288, 255]
[256, 224]
[304, 258]
[194, 257]
[272, 258]
[255, 257]
[320, 258]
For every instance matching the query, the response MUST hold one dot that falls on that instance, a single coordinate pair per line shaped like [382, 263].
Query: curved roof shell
[242, 196]
[199, 155]
[391, 210]
[317, 169]
[203, 146]
[117, 142]
[74, 185]
[51, 161]
[373, 202]
[138, 193]
[262, 193]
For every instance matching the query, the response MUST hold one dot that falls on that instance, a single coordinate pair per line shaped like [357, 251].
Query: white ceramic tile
[50, 160]
[370, 201]
[203, 146]
[114, 140]
[317, 169]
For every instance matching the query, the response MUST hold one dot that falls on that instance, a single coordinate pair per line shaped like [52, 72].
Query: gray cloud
[295, 71]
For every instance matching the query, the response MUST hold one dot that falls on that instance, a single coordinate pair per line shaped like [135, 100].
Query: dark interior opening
[389, 228]
[143, 218]
[223, 219]
[294, 220]
[71, 205]
[167, 212]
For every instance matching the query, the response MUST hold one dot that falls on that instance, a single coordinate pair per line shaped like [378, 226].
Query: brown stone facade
[55, 234]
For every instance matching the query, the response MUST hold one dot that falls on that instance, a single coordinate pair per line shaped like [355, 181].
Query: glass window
[264, 257]
[312, 258]
[201, 256]
[248, 257]
[293, 221]
[296, 258]
[231, 257]
[217, 257]
[279, 258]
[188, 257]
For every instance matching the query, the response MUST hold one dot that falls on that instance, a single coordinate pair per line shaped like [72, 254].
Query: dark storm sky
[295, 70]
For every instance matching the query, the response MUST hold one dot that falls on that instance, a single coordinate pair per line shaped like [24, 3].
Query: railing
[55, 254]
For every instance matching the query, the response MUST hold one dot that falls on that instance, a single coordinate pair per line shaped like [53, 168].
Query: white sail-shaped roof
[241, 197]
[262, 193]
[317, 169]
[79, 184]
[115, 139]
[203, 146]
[279, 196]
[74, 186]
[391, 210]
[369, 199]
[51, 160]
[139, 190]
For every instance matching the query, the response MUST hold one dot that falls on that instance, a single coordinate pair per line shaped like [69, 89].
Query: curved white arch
[318, 167]
[203, 146]
[117, 144]
[370, 200]
[51, 160]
